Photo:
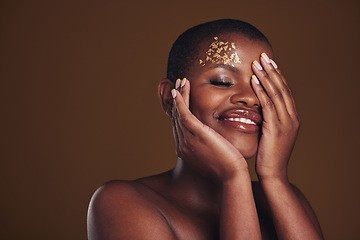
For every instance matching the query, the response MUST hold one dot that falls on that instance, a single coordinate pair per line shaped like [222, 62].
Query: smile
[242, 120]
[245, 120]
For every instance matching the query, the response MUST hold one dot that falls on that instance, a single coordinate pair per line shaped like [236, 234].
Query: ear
[164, 95]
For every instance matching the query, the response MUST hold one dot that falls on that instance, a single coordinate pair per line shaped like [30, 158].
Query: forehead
[220, 52]
[230, 49]
[243, 50]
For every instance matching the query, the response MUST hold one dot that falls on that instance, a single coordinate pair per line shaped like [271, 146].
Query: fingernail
[177, 83]
[265, 57]
[256, 80]
[183, 82]
[257, 65]
[273, 63]
[173, 93]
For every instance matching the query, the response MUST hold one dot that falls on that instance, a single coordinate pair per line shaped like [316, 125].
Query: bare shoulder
[118, 210]
[113, 192]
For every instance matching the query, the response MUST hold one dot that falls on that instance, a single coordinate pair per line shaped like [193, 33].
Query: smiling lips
[242, 120]
[245, 120]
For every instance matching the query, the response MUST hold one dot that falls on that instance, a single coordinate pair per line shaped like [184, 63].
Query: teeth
[243, 120]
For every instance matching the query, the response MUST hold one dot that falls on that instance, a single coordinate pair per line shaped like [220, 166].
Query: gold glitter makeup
[220, 53]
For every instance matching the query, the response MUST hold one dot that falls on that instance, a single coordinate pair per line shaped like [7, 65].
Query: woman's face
[221, 95]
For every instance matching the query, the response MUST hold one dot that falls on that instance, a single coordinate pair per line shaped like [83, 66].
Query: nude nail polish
[273, 63]
[265, 57]
[256, 80]
[183, 82]
[177, 83]
[257, 65]
[173, 93]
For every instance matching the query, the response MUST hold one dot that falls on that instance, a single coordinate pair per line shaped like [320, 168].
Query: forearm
[238, 218]
[291, 217]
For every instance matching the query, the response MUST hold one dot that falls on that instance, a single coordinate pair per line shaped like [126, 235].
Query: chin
[247, 152]
[248, 155]
[247, 148]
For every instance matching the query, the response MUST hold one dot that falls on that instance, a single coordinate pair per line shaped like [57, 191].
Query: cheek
[206, 104]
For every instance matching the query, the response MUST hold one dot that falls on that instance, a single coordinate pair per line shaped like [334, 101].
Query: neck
[194, 188]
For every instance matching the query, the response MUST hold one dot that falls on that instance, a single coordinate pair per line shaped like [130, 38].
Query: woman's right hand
[200, 145]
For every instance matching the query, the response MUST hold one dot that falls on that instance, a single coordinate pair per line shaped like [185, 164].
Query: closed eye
[223, 83]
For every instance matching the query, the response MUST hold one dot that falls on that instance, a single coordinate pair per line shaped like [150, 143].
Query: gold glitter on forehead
[219, 53]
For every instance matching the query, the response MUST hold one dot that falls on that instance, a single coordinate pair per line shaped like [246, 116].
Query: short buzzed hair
[184, 51]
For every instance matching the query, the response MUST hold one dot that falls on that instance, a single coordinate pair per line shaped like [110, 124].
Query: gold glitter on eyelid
[219, 53]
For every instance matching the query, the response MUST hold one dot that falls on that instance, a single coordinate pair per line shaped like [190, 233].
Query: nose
[244, 94]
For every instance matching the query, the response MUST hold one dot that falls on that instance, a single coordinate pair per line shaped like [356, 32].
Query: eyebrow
[225, 66]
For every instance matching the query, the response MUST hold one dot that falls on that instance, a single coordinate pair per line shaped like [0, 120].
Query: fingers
[269, 111]
[175, 128]
[183, 86]
[273, 93]
[181, 106]
[186, 126]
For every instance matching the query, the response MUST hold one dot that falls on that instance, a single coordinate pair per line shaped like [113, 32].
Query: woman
[231, 104]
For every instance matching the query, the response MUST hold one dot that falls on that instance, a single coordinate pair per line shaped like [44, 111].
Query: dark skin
[209, 193]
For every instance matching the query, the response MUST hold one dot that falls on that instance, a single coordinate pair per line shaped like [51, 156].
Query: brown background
[79, 106]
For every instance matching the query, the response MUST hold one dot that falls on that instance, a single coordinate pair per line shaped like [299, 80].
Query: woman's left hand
[280, 120]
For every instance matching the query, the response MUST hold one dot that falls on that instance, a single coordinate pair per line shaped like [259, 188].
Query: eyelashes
[221, 82]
